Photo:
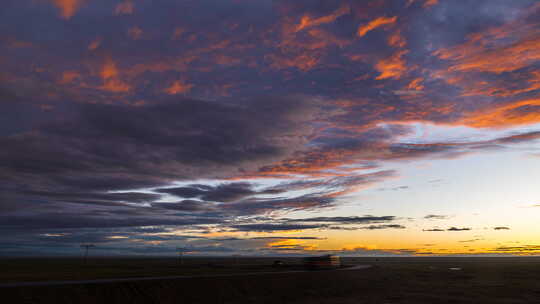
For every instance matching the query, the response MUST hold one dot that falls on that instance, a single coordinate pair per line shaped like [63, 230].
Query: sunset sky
[270, 127]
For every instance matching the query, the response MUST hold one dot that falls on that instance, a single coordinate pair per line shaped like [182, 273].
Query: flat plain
[389, 280]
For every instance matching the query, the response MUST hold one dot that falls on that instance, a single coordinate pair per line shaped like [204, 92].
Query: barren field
[390, 280]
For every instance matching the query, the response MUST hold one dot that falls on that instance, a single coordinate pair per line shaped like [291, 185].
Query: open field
[390, 280]
[55, 269]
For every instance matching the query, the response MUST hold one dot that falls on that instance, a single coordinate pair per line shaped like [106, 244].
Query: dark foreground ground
[390, 280]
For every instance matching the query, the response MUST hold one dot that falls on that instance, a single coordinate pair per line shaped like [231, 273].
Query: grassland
[390, 280]
[57, 269]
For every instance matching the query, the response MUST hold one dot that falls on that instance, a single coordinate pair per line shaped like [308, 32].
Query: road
[119, 280]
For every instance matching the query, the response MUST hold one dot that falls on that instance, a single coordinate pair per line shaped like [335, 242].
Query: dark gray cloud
[186, 192]
[501, 228]
[98, 198]
[186, 205]
[471, 241]
[274, 227]
[55, 220]
[347, 219]
[370, 227]
[258, 206]
[436, 217]
[434, 230]
[287, 238]
[449, 229]
[458, 229]
[71, 161]
[221, 193]
[394, 188]
[378, 227]
[518, 249]
[181, 134]
[323, 223]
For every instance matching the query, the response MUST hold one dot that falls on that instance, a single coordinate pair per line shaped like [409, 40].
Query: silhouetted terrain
[390, 280]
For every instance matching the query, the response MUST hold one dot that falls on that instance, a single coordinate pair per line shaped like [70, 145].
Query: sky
[270, 127]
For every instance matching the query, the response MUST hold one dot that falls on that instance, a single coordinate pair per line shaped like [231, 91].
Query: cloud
[392, 67]
[367, 251]
[68, 8]
[307, 21]
[378, 227]
[375, 23]
[135, 33]
[458, 229]
[96, 197]
[525, 249]
[179, 87]
[186, 205]
[289, 106]
[221, 193]
[111, 76]
[274, 227]
[475, 56]
[324, 223]
[348, 219]
[471, 241]
[521, 112]
[150, 153]
[258, 206]
[287, 238]
[501, 228]
[394, 188]
[106, 219]
[436, 217]
[124, 8]
[429, 3]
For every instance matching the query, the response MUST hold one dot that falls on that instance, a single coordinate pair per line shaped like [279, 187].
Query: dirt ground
[401, 280]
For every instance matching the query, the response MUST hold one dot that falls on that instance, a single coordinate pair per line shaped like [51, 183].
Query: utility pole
[180, 252]
[86, 247]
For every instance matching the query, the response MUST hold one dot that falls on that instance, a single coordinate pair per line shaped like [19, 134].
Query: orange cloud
[392, 67]
[303, 62]
[109, 73]
[430, 3]
[427, 3]
[477, 57]
[178, 32]
[226, 60]
[304, 51]
[307, 21]
[513, 84]
[505, 48]
[108, 70]
[397, 40]
[477, 65]
[69, 77]
[124, 8]
[94, 44]
[116, 86]
[311, 163]
[381, 21]
[416, 84]
[135, 33]
[68, 8]
[292, 244]
[518, 113]
[180, 64]
[179, 87]
[14, 43]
